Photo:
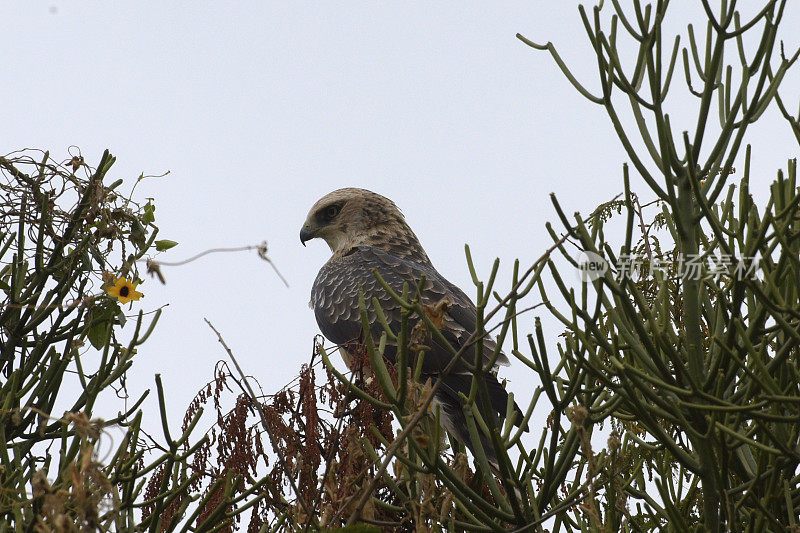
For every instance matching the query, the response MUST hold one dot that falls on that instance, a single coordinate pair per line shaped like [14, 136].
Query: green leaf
[121, 318]
[165, 245]
[137, 236]
[98, 257]
[98, 334]
[149, 214]
[102, 315]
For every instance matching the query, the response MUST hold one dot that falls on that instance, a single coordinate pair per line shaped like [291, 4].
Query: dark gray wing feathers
[334, 297]
[335, 300]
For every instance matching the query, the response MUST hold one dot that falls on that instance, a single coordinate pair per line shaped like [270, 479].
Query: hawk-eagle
[367, 232]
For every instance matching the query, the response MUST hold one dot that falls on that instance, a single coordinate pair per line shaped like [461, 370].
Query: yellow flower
[124, 290]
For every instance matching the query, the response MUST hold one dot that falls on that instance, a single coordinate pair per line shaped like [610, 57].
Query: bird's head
[351, 217]
[345, 217]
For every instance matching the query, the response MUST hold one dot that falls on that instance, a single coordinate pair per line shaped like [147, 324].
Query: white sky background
[257, 109]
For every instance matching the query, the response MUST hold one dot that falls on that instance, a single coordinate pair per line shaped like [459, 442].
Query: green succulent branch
[68, 243]
[688, 351]
[691, 358]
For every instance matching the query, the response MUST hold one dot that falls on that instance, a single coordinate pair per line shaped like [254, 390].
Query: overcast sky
[257, 109]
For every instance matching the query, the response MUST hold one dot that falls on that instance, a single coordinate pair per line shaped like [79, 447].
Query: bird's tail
[498, 395]
[453, 420]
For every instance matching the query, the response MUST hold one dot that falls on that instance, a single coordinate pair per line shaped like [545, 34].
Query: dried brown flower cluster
[330, 441]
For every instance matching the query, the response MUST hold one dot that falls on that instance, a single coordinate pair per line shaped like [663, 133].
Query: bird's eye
[331, 211]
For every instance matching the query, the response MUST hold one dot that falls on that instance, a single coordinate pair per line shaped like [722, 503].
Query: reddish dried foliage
[151, 491]
[318, 431]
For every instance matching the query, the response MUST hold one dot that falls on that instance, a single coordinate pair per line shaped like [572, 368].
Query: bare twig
[261, 248]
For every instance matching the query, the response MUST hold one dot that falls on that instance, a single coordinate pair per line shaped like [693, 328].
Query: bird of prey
[367, 232]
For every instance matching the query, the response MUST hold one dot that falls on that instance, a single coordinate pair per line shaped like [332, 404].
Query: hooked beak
[306, 234]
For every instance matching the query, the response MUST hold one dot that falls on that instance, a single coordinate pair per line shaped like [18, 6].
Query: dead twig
[154, 266]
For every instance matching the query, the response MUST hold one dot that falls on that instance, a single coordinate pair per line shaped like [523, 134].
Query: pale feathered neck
[397, 239]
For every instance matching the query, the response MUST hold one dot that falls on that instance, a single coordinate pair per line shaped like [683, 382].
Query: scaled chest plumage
[335, 300]
[335, 293]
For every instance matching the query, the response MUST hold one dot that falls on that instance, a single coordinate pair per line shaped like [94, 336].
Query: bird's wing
[335, 300]
[335, 297]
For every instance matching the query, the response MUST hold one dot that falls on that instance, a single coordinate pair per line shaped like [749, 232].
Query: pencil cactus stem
[376, 306]
[381, 371]
[471, 265]
[480, 456]
[351, 387]
[403, 301]
[402, 358]
[163, 410]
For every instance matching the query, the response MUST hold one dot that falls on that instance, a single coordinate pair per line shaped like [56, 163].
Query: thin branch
[154, 265]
